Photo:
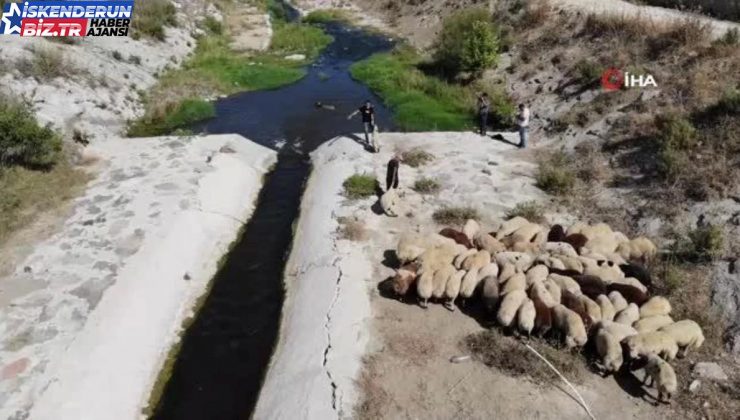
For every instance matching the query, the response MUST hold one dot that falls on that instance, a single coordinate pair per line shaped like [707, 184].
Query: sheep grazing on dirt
[618, 301]
[602, 244]
[489, 243]
[570, 325]
[565, 283]
[656, 342]
[617, 330]
[516, 282]
[489, 270]
[471, 229]
[631, 281]
[539, 292]
[437, 257]
[630, 293]
[686, 333]
[521, 260]
[469, 283]
[607, 273]
[575, 304]
[460, 258]
[410, 247]
[628, 315]
[525, 317]
[639, 249]
[456, 236]
[556, 234]
[543, 317]
[554, 290]
[510, 226]
[637, 271]
[425, 287]
[591, 286]
[592, 308]
[478, 260]
[490, 293]
[662, 377]
[657, 305]
[509, 307]
[440, 279]
[405, 278]
[526, 233]
[652, 323]
[389, 202]
[538, 273]
[607, 309]
[577, 241]
[452, 289]
[608, 348]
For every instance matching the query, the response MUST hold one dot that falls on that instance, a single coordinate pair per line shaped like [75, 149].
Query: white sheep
[452, 288]
[560, 249]
[592, 308]
[602, 244]
[550, 262]
[657, 305]
[655, 342]
[637, 249]
[471, 229]
[571, 325]
[618, 301]
[489, 270]
[390, 203]
[609, 274]
[555, 291]
[509, 307]
[525, 233]
[469, 283]
[631, 281]
[538, 292]
[525, 316]
[686, 333]
[521, 260]
[477, 261]
[516, 282]
[617, 330]
[410, 247]
[538, 273]
[510, 226]
[662, 376]
[460, 258]
[439, 256]
[489, 243]
[425, 287]
[608, 348]
[491, 293]
[507, 270]
[565, 283]
[607, 308]
[571, 263]
[652, 323]
[628, 315]
[440, 279]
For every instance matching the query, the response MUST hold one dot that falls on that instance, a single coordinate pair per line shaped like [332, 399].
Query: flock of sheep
[588, 282]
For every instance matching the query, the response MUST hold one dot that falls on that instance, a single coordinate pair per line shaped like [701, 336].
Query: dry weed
[352, 229]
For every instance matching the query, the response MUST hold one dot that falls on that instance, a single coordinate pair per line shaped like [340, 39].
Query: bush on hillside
[554, 175]
[22, 140]
[455, 216]
[468, 42]
[151, 16]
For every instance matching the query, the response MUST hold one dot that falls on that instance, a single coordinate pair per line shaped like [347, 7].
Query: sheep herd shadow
[626, 378]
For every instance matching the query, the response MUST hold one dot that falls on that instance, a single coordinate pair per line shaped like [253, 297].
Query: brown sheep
[591, 286]
[577, 241]
[630, 293]
[405, 278]
[575, 304]
[456, 236]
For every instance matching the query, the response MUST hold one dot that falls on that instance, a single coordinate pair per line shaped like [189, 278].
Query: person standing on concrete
[391, 175]
[484, 107]
[368, 119]
[522, 120]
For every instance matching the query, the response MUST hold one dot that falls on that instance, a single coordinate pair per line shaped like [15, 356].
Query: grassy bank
[423, 102]
[214, 68]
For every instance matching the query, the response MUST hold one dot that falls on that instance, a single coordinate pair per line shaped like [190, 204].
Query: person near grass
[368, 119]
[522, 120]
[391, 175]
[484, 107]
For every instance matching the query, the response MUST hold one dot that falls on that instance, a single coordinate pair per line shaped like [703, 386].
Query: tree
[468, 42]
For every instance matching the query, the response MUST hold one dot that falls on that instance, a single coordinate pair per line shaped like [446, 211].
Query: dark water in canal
[226, 351]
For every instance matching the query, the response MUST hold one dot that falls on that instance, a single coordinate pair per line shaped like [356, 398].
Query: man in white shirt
[523, 122]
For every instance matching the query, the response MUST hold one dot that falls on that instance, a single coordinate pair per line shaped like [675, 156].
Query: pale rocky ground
[93, 295]
[335, 315]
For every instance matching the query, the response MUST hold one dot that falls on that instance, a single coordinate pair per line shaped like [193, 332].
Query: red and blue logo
[67, 18]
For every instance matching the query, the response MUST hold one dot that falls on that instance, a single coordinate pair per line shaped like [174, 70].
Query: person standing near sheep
[484, 107]
[522, 120]
[368, 119]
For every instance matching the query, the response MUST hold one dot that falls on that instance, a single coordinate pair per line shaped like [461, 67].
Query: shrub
[730, 38]
[360, 186]
[554, 175]
[416, 157]
[22, 140]
[46, 64]
[351, 229]
[134, 59]
[468, 42]
[326, 16]
[299, 39]
[675, 137]
[213, 25]
[529, 210]
[426, 186]
[588, 72]
[151, 16]
[170, 116]
[117, 55]
[702, 244]
[455, 215]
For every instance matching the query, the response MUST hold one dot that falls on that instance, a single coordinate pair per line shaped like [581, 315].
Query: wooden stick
[580, 398]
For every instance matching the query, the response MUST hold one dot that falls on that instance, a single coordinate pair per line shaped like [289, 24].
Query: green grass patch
[455, 215]
[426, 186]
[150, 18]
[360, 186]
[327, 16]
[416, 157]
[422, 102]
[297, 38]
[181, 114]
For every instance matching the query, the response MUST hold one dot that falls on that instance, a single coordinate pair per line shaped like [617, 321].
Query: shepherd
[368, 120]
